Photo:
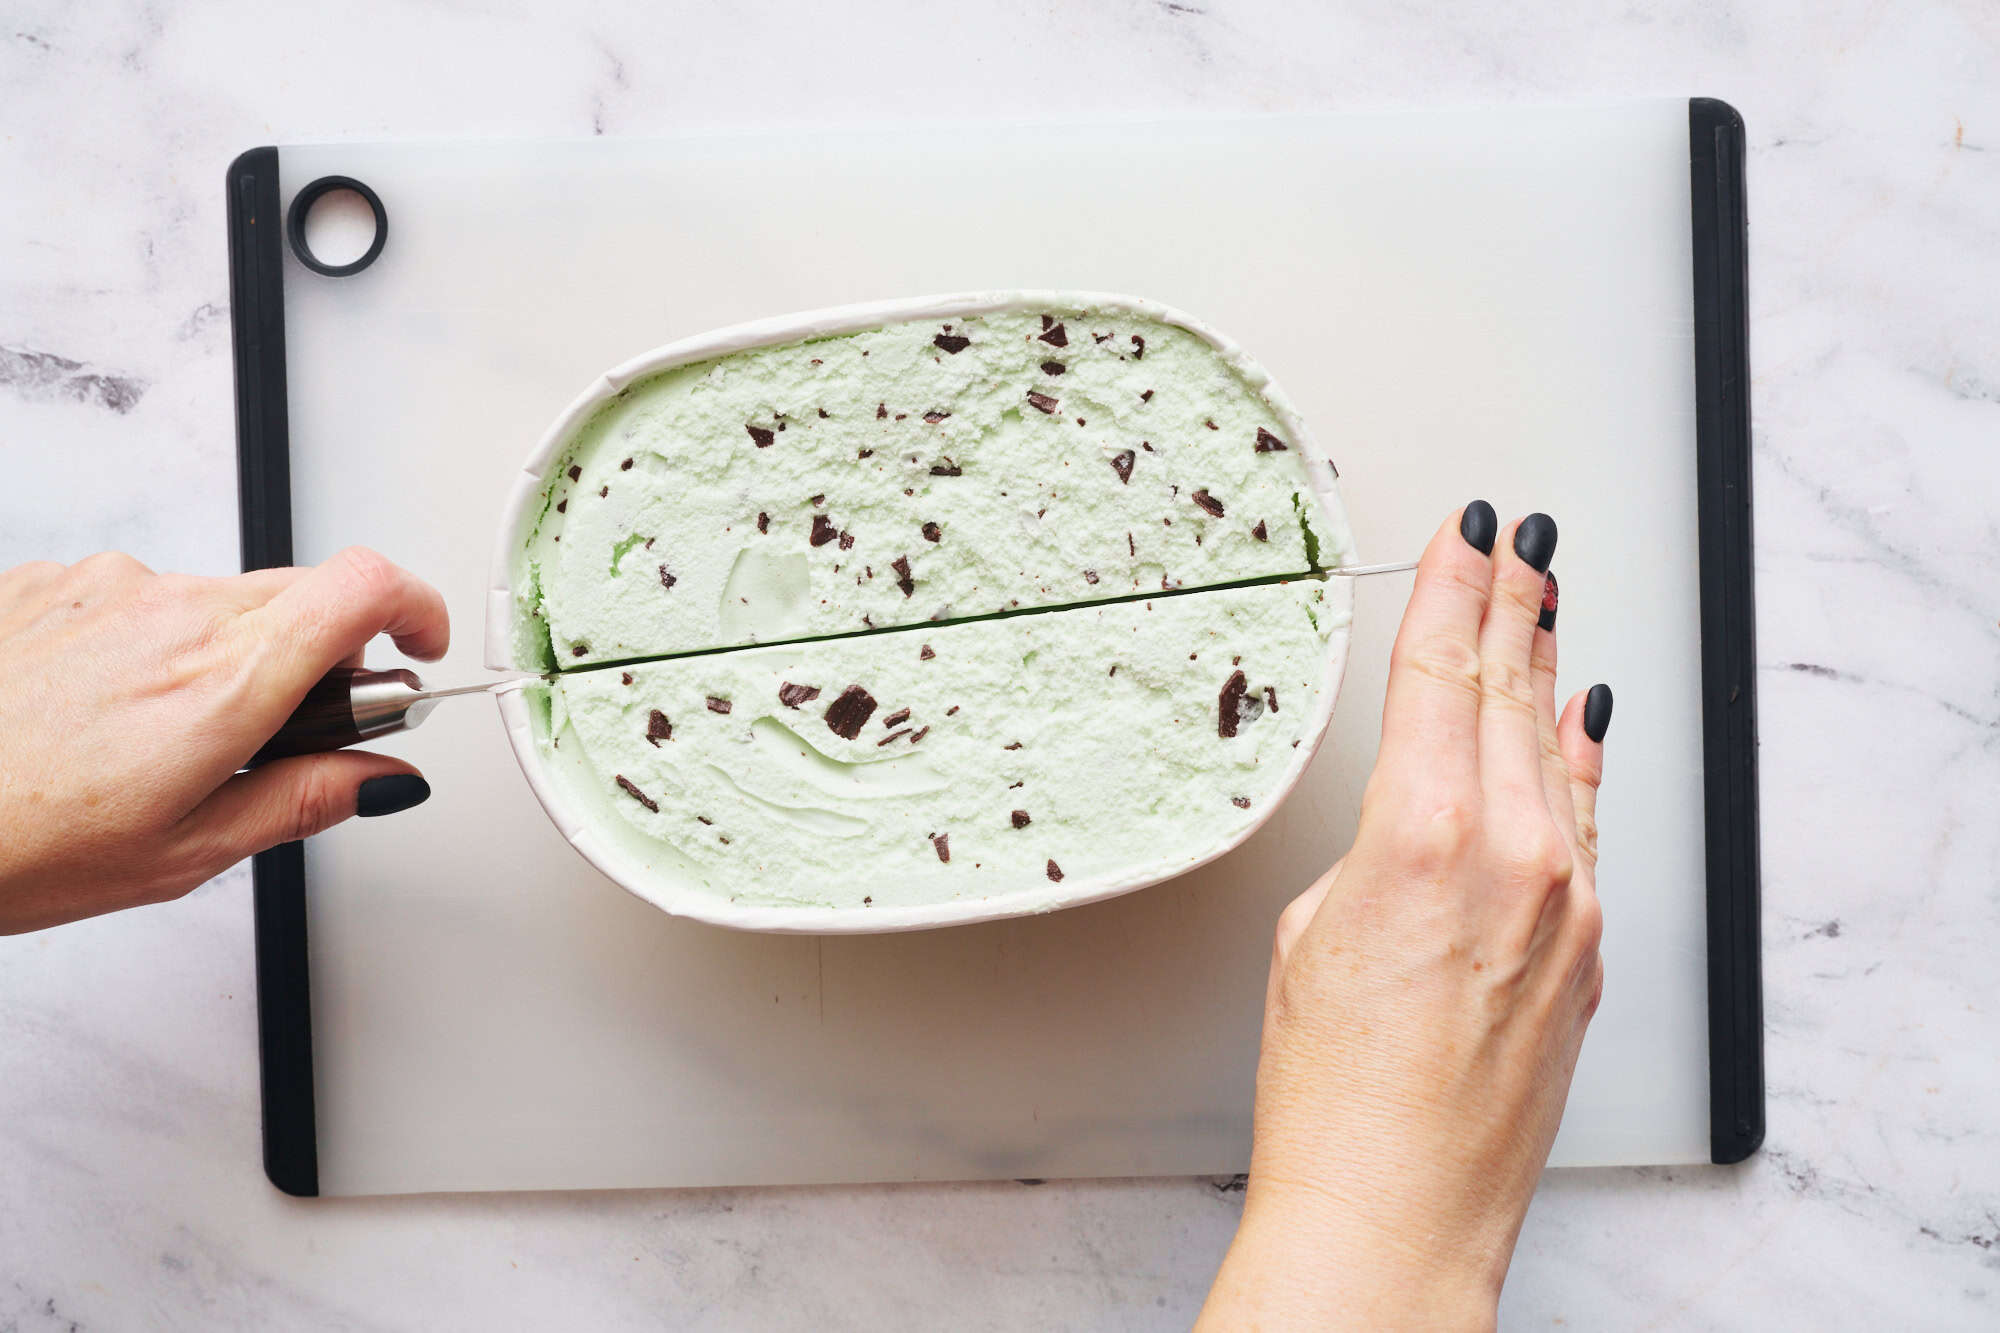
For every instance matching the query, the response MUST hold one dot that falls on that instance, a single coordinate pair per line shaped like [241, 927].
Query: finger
[330, 614]
[1542, 673]
[1509, 751]
[255, 587]
[290, 799]
[1430, 717]
[1581, 734]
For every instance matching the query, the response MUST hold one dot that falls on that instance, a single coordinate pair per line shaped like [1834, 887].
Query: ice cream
[943, 764]
[928, 470]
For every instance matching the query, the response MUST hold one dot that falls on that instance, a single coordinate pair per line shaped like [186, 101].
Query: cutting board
[1541, 307]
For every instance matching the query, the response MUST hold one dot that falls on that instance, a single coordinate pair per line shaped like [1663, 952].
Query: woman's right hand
[1428, 996]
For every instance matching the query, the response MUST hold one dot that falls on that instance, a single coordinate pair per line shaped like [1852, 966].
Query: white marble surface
[129, 1195]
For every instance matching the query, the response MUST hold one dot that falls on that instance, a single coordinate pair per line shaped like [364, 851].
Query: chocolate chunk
[716, 705]
[1229, 704]
[902, 416]
[1240, 802]
[575, 473]
[901, 564]
[761, 437]
[1260, 532]
[823, 530]
[934, 416]
[822, 414]
[1048, 320]
[1054, 871]
[1081, 422]
[946, 469]
[881, 411]
[1208, 502]
[667, 580]
[1146, 396]
[625, 677]
[1090, 576]
[658, 728]
[603, 491]
[1138, 348]
[866, 453]
[632, 790]
[892, 736]
[819, 499]
[791, 696]
[1271, 697]
[867, 899]
[919, 734]
[1147, 445]
[625, 466]
[1210, 423]
[1121, 463]
[925, 654]
[846, 715]
[579, 650]
[942, 841]
[763, 521]
[1053, 367]
[1055, 336]
[897, 718]
[706, 820]
[952, 343]
[1015, 746]
[1041, 402]
[1021, 819]
[781, 423]
[1130, 547]
[846, 541]
[932, 532]
[562, 506]
[951, 710]
[1268, 443]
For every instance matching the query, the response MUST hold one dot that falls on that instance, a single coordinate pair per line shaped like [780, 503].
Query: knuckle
[314, 805]
[368, 569]
[1541, 860]
[1587, 920]
[1586, 835]
[1595, 996]
[1292, 922]
[1448, 662]
[1506, 682]
[1429, 838]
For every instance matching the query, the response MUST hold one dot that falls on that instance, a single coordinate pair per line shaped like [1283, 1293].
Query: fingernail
[1535, 541]
[1597, 712]
[1548, 618]
[387, 795]
[1479, 526]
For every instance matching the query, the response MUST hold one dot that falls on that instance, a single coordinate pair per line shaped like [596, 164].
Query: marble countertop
[128, 1084]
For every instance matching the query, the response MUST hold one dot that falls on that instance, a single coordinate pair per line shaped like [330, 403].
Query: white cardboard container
[560, 781]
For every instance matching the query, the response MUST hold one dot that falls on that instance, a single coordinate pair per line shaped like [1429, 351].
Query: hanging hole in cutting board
[337, 226]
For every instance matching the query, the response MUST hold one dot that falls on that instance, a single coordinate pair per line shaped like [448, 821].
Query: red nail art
[1548, 617]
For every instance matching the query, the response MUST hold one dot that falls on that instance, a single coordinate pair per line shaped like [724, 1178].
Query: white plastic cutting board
[1464, 304]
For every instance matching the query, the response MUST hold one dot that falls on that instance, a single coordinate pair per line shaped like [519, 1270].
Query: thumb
[289, 799]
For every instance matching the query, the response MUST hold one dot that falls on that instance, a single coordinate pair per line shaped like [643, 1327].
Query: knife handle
[345, 707]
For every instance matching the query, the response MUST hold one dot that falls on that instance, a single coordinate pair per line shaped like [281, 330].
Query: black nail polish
[1549, 592]
[387, 795]
[1535, 541]
[1479, 526]
[1597, 712]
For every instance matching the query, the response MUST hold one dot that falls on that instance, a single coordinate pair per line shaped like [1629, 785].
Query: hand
[1428, 996]
[131, 700]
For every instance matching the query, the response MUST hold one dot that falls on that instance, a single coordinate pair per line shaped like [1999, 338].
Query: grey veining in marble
[128, 1098]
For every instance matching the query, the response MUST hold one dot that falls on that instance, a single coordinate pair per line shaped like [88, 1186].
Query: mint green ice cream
[934, 470]
[935, 764]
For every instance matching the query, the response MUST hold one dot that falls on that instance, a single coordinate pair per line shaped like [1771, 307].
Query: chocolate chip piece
[946, 469]
[1210, 423]
[866, 453]
[760, 437]
[1138, 348]
[575, 473]
[579, 650]
[1021, 819]
[1041, 402]
[846, 541]
[1229, 704]
[951, 343]
[823, 530]
[949, 711]
[603, 491]
[667, 580]
[892, 736]
[881, 411]
[626, 677]
[658, 728]
[1271, 697]
[1053, 367]
[819, 500]
[1240, 802]
[925, 654]
[1055, 336]
[822, 413]
[716, 705]
[942, 841]
[919, 734]
[897, 718]
[1260, 532]
[562, 506]
[846, 715]
[867, 900]
[1015, 746]
[1121, 463]
[1146, 396]
[934, 416]
[1090, 576]
[1130, 547]
[1268, 443]
[1054, 871]
[763, 521]
[1208, 502]
[932, 532]
[902, 416]
[706, 820]
[1147, 445]
[1081, 422]
[791, 696]
[625, 466]
[632, 790]
[901, 564]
